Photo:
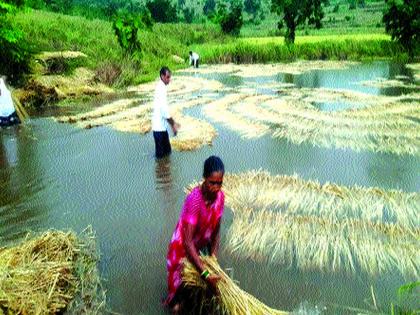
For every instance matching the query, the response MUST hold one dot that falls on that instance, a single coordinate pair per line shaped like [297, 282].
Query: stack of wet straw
[50, 274]
[232, 300]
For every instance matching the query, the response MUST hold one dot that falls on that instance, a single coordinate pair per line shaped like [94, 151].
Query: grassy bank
[273, 49]
[46, 31]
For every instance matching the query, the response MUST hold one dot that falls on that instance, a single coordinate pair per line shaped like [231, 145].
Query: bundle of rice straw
[232, 300]
[50, 274]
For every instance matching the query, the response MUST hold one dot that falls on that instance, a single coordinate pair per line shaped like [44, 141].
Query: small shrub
[107, 73]
[126, 28]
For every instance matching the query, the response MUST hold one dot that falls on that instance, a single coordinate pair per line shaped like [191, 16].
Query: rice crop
[293, 195]
[317, 243]
[383, 124]
[51, 273]
[313, 226]
[218, 111]
[232, 300]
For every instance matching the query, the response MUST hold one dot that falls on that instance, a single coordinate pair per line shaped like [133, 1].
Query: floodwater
[57, 176]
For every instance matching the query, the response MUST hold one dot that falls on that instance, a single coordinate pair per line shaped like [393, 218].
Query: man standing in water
[161, 116]
[8, 115]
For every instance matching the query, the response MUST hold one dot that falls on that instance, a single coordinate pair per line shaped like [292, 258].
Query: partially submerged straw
[292, 221]
[232, 300]
[51, 273]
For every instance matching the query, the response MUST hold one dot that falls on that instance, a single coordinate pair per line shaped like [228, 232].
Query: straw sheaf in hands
[231, 299]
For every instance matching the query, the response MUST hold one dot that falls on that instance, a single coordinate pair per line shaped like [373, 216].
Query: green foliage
[15, 56]
[231, 22]
[47, 31]
[298, 12]
[332, 47]
[191, 10]
[253, 7]
[163, 11]
[406, 294]
[209, 7]
[126, 27]
[62, 6]
[402, 21]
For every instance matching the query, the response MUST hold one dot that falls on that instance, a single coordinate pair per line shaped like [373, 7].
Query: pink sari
[205, 219]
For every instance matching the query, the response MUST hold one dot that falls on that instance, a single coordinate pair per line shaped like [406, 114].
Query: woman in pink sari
[198, 229]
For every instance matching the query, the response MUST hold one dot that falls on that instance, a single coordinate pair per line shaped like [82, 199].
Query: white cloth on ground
[6, 102]
[160, 108]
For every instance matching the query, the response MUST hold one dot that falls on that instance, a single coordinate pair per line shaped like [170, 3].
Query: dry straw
[294, 195]
[383, 124]
[219, 111]
[288, 220]
[313, 243]
[232, 300]
[51, 273]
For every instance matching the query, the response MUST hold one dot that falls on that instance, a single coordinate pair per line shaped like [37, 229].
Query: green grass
[46, 31]
[350, 47]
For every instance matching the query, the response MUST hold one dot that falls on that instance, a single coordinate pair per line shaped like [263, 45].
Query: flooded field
[344, 136]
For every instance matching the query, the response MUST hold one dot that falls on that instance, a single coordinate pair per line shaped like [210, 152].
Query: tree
[62, 6]
[402, 21]
[163, 11]
[209, 7]
[15, 55]
[126, 26]
[253, 7]
[231, 22]
[297, 12]
[191, 10]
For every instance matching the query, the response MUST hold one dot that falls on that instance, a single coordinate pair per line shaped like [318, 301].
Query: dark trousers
[13, 119]
[195, 63]
[162, 144]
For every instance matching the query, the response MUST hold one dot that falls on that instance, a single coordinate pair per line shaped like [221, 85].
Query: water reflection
[20, 183]
[163, 174]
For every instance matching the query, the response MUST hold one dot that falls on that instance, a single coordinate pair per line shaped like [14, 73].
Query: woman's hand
[212, 282]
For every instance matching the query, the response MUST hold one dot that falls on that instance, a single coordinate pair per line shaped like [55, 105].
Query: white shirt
[160, 108]
[6, 103]
[194, 57]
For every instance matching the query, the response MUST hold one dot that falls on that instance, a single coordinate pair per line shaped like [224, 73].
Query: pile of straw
[296, 222]
[50, 274]
[313, 243]
[293, 195]
[383, 124]
[232, 300]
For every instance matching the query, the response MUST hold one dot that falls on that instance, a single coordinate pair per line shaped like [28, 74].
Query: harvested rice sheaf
[51, 273]
[232, 300]
[313, 243]
[295, 196]
[292, 221]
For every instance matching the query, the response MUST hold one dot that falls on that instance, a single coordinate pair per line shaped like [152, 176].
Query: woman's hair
[164, 70]
[213, 164]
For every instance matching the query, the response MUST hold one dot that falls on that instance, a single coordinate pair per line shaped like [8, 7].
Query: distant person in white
[8, 114]
[194, 58]
[161, 117]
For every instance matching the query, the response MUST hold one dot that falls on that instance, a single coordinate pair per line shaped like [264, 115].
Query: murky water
[56, 176]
